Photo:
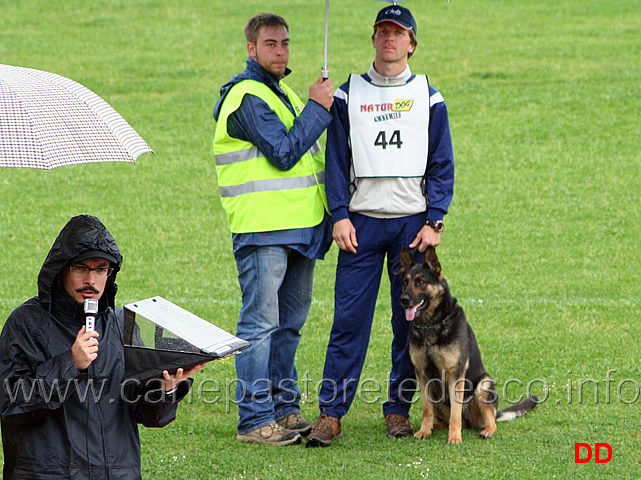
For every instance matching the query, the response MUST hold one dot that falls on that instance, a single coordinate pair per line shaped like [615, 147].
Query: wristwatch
[437, 225]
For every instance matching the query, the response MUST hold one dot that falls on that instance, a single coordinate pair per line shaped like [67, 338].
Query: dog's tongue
[410, 313]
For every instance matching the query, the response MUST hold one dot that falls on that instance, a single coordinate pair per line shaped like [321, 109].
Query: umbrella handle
[324, 71]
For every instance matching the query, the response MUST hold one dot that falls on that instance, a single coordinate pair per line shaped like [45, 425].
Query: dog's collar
[439, 324]
[426, 327]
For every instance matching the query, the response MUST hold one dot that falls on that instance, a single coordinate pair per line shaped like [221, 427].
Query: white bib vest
[388, 128]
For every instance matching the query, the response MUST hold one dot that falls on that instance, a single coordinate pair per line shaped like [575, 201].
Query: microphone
[91, 308]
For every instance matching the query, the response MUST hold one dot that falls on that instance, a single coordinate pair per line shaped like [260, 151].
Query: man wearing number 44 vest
[390, 179]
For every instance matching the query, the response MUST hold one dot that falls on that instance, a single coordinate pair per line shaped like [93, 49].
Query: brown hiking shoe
[272, 434]
[397, 425]
[324, 432]
[296, 423]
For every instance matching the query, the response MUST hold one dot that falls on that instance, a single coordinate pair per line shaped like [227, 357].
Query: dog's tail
[517, 410]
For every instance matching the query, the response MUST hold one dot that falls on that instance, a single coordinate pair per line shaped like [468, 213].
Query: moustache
[89, 288]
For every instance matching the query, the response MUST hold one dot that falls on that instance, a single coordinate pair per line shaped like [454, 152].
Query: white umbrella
[47, 121]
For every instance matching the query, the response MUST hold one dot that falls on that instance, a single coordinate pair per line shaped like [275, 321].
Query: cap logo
[393, 12]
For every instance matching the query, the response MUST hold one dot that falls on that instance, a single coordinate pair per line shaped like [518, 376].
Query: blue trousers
[276, 284]
[358, 278]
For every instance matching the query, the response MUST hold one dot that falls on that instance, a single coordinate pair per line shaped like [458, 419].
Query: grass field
[540, 247]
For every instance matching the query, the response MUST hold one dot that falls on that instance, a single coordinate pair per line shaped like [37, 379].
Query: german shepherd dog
[455, 388]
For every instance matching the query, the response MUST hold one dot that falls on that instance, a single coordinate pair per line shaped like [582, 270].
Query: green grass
[541, 243]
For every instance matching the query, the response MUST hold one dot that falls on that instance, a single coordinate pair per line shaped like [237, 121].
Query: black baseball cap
[401, 16]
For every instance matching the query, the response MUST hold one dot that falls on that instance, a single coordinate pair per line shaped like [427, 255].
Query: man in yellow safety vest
[271, 178]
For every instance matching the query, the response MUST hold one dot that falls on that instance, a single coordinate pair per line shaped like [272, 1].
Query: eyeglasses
[83, 271]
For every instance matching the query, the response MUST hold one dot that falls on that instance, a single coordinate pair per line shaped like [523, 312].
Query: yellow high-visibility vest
[257, 196]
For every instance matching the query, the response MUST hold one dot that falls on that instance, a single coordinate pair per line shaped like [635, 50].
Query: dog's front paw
[422, 434]
[454, 439]
[486, 434]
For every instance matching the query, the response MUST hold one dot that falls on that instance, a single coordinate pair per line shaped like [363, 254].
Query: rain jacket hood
[81, 234]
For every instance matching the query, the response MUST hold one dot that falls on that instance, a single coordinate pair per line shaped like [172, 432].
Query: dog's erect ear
[431, 261]
[406, 259]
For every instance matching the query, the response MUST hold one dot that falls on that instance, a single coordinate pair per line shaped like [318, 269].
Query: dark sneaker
[272, 434]
[397, 425]
[296, 423]
[324, 432]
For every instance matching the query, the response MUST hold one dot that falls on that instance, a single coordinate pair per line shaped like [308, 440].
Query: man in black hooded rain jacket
[65, 407]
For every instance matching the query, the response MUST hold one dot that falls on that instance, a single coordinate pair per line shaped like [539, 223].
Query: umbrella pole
[325, 72]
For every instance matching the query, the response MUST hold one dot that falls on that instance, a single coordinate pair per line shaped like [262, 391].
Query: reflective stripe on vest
[274, 184]
[256, 195]
[249, 153]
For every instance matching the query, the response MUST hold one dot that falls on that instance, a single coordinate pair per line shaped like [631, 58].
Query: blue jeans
[276, 284]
